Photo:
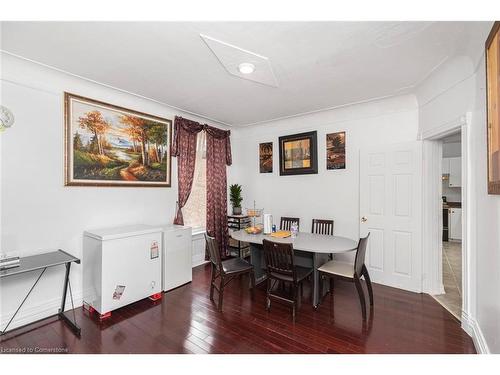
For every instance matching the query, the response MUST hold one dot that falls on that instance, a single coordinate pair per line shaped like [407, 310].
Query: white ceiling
[318, 65]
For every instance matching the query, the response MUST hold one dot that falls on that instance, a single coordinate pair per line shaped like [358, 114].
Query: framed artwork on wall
[335, 150]
[107, 145]
[266, 157]
[493, 107]
[298, 154]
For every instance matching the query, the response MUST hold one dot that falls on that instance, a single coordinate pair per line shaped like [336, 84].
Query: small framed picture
[335, 150]
[266, 157]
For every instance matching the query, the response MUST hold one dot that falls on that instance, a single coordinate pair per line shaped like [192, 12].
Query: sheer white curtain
[194, 211]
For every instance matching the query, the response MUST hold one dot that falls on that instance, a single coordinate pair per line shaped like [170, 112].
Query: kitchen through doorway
[451, 178]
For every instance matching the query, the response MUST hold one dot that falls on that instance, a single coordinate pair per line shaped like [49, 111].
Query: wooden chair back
[286, 222]
[279, 259]
[359, 262]
[213, 251]
[321, 226]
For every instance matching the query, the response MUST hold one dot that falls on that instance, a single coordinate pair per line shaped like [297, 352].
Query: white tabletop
[315, 243]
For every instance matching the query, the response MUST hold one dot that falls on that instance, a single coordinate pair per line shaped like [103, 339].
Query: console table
[42, 262]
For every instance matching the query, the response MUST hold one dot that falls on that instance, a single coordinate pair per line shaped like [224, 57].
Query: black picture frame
[313, 154]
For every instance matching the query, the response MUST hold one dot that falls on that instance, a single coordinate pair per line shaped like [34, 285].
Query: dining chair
[226, 270]
[347, 271]
[322, 226]
[281, 269]
[286, 222]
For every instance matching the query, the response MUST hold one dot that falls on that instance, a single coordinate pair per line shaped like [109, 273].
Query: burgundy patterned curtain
[218, 156]
[184, 148]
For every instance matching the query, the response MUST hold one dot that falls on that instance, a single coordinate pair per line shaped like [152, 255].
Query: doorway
[451, 263]
[391, 211]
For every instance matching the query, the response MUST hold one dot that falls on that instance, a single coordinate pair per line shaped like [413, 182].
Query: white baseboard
[36, 312]
[435, 292]
[199, 263]
[472, 327]
[441, 289]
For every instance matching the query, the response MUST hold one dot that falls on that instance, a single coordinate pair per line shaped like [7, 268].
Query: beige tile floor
[452, 278]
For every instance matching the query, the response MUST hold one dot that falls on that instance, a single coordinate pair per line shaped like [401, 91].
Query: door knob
[364, 219]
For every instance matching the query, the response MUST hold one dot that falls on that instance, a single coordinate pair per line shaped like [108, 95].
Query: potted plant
[235, 198]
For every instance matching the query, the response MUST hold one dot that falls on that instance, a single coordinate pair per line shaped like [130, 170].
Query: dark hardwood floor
[186, 321]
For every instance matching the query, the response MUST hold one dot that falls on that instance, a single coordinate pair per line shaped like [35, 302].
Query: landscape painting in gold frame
[493, 107]
[107, 145]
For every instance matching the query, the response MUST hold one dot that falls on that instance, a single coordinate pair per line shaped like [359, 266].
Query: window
[194, 211]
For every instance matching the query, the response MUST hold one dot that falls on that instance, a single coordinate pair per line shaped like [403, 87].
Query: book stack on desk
[6, 263]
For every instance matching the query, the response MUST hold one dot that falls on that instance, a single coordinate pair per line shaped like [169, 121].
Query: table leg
[256, 260]
[74, 327]
[318, 260]
[315, 281]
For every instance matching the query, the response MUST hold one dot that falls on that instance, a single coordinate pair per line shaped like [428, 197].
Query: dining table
[310, 249]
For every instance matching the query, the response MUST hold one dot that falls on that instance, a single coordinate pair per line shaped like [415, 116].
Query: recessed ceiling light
[246, 68]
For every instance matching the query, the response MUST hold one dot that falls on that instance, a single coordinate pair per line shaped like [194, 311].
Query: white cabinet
[455, 172]
[177, 260]
[446, 166]
[121, 266]
[455, 223]
[452, 167]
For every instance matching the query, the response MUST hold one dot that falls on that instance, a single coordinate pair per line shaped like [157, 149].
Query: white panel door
[391, 210]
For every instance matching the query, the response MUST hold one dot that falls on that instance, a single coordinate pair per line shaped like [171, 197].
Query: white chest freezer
[177, 258]
[121, 266]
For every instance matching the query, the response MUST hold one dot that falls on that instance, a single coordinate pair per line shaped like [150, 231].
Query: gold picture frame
[108, 145]
[493, 107]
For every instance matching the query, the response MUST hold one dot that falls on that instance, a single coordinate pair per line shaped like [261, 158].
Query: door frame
[432, 249]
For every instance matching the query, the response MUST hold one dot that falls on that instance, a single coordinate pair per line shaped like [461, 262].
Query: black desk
[42, 262]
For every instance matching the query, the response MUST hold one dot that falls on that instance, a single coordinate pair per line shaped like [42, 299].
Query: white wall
[331, 193]
[446, 94]
[487, 224]
[37, 211]
[450, 92]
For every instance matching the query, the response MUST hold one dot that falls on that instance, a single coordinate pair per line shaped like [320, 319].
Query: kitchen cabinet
[446, 166]
[452, 171]
[455, 179]
[455, 223]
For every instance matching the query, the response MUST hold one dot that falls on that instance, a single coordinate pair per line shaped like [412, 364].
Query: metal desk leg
[22, 303]
[74, 327]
